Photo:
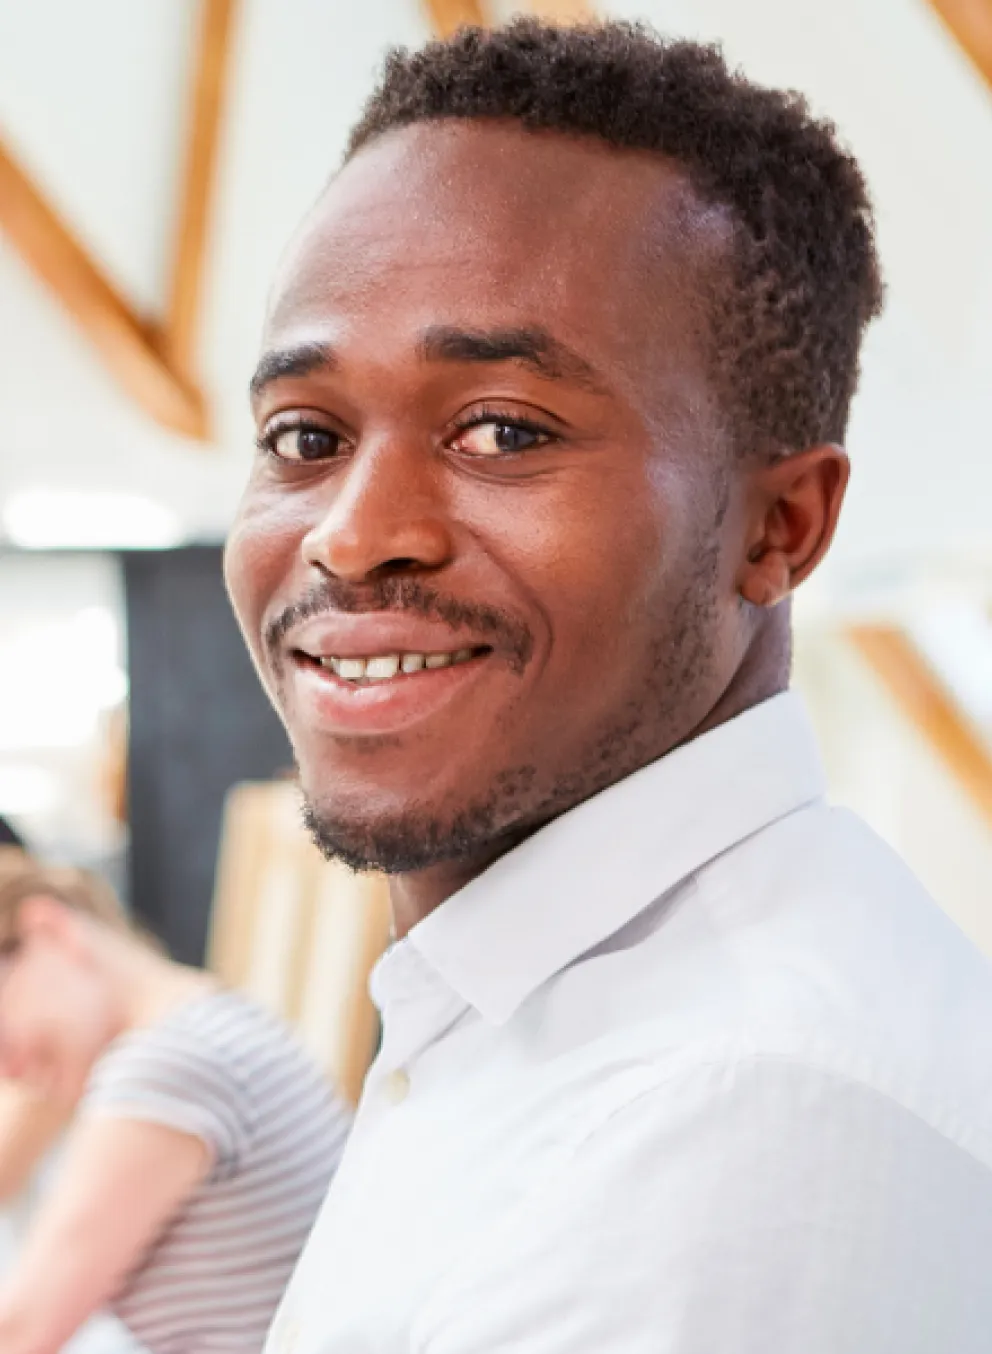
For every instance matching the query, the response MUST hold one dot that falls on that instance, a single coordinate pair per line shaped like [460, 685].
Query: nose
[388, 514]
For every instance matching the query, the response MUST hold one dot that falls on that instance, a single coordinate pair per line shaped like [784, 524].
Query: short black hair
[788, 314]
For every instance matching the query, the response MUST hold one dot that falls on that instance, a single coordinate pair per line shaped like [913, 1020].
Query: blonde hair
[23, 877]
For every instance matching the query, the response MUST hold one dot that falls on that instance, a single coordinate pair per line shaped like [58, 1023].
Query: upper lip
[364, 634]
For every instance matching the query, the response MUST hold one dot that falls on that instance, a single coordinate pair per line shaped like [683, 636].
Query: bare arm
[121, 1182]
[28, 1127]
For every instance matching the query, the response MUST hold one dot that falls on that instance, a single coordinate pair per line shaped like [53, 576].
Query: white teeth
[351, 669]
[381, 669]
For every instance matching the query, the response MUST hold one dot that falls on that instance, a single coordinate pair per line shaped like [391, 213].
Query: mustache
[398, 594]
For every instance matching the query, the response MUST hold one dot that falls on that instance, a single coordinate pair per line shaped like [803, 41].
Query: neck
[149, 984]
[763, 673]
[414, 896]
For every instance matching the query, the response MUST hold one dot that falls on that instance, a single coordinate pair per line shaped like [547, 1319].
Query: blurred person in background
[203, 1142]
[29, 1123]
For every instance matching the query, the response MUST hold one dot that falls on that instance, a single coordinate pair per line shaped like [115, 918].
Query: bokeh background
[156, 157]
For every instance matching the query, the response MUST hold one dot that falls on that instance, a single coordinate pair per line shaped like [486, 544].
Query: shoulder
[219, 1033]
[808, 951]
[757, 1202]
[835, 954]
[205, 1069]
[766, 1096]
[189, 1044]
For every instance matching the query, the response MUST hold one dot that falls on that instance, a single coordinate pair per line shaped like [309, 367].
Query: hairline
[705, 225]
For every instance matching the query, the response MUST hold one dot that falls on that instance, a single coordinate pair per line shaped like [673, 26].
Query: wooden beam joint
[132, 348]
[155, 362]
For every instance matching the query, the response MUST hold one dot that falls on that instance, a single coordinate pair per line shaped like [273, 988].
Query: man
[675, 1057]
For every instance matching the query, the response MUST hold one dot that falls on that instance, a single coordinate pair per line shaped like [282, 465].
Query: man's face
[486, 559]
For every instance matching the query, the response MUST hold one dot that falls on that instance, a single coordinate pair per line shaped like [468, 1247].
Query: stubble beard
[522, 798]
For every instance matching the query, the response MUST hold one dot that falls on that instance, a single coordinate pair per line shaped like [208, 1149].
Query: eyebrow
[532, 346]
[300, 360]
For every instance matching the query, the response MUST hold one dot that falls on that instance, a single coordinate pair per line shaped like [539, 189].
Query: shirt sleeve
[737, 1209]
[166, 1075]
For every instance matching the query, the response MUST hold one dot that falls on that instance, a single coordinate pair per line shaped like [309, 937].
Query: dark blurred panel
[199, 723]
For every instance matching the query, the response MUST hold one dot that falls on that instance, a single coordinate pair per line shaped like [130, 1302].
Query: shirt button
[290, 1338]
[397, 1086]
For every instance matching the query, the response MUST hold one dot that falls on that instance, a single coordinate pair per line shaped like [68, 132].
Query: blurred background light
[56, 680]
[57, 519]
[26, 789]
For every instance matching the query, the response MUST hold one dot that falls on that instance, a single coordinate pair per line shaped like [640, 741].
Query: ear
[793, 507]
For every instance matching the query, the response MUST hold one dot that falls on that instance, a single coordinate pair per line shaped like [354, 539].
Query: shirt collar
[587, 873]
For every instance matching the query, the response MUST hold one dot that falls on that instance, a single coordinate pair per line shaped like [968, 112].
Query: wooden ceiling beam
[206, 102]
[930, 708]
[447, 16]
[564, 11]
[131, 348]
[970, 22]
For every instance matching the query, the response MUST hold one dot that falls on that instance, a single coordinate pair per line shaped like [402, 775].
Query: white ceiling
[97, 117]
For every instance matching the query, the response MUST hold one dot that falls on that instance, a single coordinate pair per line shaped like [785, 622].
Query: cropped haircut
[786, 315]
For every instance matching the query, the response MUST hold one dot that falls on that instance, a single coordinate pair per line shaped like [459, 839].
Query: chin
[401, 833]
[393, 843]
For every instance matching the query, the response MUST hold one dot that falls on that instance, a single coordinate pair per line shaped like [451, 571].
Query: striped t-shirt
[223, 1069]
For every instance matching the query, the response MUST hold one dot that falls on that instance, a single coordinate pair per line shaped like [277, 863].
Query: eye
[301, 442]
[491, 437]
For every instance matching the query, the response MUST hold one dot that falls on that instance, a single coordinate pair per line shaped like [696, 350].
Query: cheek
[591, 553]
[52, 996]
[25, 1014]
[262, 556]
[74, 1028]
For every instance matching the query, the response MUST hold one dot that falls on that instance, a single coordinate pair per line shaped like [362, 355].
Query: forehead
[468, 222]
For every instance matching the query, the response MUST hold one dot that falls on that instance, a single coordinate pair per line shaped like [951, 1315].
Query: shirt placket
[418, 1008]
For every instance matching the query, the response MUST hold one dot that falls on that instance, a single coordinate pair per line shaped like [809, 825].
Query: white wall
[98, 118]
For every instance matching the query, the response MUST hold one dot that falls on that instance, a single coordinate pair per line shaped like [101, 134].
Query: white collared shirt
[697, 1069]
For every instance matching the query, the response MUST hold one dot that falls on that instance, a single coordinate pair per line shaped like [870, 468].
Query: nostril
[400, 567]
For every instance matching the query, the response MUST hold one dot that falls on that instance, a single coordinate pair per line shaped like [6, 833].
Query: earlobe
[796, 504]
[767, 580]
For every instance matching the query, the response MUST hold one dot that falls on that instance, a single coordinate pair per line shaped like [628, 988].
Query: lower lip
[338, 707]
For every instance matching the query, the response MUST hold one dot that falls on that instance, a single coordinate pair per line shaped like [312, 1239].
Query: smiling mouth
[376, 668]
